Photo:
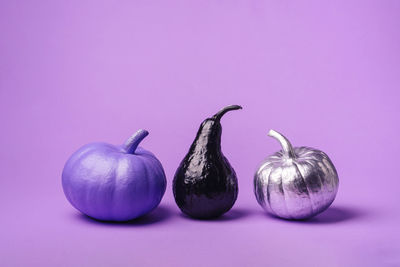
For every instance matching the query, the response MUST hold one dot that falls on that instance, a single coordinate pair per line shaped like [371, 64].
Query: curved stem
[287, 147]
[221, 113]
[132, 143]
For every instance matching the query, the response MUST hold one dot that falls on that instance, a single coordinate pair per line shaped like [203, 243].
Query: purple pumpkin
[114, 183]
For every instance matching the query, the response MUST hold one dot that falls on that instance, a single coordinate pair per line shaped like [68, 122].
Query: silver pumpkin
[295, 183]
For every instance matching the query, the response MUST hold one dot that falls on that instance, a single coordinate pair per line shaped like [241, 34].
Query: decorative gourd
[295, 183]
[205, 184]
[114, 183]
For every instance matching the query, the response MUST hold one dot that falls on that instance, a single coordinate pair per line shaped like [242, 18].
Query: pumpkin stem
[221, 113]
[287, 147]
[132, 143]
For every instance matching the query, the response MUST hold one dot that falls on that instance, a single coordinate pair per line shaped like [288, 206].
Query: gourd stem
[221, 113]
[287, 147]
[132, 143]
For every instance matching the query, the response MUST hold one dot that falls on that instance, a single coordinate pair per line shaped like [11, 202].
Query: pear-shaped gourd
[205, 184]
[295, 183]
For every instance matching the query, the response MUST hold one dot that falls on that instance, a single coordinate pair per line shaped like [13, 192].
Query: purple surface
[326, 75]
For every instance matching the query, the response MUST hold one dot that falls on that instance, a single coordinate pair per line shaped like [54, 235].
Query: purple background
[324, 73]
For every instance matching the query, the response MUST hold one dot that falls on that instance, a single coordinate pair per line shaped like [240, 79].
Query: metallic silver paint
[295, 183]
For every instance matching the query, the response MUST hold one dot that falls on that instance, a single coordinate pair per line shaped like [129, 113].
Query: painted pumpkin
[114, 183]
[295, 183]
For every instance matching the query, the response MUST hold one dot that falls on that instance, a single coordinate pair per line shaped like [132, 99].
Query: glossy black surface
[205, 184]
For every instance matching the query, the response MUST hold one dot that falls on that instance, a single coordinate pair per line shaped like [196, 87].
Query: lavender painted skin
[114, 183]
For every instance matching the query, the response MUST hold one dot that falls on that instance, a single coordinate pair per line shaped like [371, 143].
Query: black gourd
[205, 185]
